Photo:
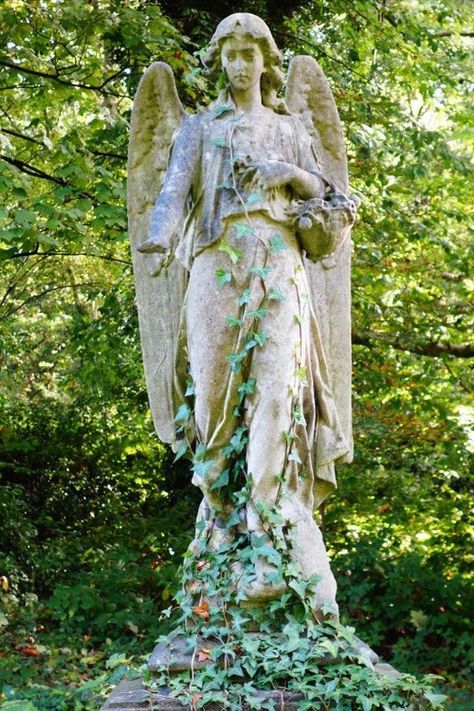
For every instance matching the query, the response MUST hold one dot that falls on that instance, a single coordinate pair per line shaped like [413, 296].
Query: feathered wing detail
[309, 97]
[157, 114]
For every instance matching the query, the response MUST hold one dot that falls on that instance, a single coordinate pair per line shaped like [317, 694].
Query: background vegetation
[95, 517]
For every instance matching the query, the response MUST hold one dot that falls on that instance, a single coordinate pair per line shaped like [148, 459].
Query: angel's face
[242, 61]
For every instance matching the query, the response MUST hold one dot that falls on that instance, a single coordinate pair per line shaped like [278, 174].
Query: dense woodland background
[94, 514]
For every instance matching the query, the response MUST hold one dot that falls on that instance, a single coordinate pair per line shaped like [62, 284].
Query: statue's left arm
[171, 202]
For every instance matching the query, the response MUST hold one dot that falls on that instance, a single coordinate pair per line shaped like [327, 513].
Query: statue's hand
[267, 174]
[158, 263]
[152, 245]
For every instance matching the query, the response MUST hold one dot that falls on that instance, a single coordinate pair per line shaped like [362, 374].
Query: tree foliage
[95, 515]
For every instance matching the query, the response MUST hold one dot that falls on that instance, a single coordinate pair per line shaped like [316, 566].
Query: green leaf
[223, 277]
[234, 254]
[189, 389]
[298, 416]
[25, 217]
[258, 314]
[200, 468]
[183, 414]
[233, 321]
[253, 198]
[219, 143]
[436, 700]
[262, 272]
[222, 480]
[277, 244]
[244, 297]
[222, 109]
[242, 230]
[116, 660]
[182, 449]
[301, 374]
[247, 388]
[275, 294]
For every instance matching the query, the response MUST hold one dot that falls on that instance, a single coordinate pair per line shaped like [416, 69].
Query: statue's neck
[247, 100]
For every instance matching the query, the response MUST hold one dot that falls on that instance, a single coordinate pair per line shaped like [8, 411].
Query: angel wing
[156, 116]
[309, 96]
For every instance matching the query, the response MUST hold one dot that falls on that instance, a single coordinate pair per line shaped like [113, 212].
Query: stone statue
[240, 220]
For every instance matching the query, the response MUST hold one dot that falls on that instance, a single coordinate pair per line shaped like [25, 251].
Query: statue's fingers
[160, 261]
[150, 246]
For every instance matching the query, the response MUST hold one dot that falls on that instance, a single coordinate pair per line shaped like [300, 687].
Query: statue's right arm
[177, 184]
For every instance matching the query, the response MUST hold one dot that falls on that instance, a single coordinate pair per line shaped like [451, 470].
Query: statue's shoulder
[296, 123]
[192, 122]
[292, 127]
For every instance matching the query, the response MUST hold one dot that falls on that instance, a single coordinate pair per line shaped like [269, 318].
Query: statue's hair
[256, 29]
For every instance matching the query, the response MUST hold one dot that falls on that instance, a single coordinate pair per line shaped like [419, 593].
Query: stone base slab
[134, 696]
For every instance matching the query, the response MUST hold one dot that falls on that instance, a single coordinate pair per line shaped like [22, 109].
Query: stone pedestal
[133, 696]
[175, 656]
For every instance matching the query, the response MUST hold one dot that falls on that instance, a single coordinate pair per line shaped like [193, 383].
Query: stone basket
[323, 225]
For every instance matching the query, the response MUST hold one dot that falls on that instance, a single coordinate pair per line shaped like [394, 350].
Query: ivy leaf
[253, 198]
[301, 375]
[262, 272]
[247, 388]
[330, 686]
[182, 449]
[234, 254]
[275, 294]
[436, 700]
[222, 480]
[270, 554]
[200, 468]
[299, 586]
[261, 338]
[244, 297]
[223, 109]
[277, 244]
[330, 646]
[233, 321]
[183, 414]
[298, 416]
[223, 277]
[219, 143]
[242, 230]
[258, 314]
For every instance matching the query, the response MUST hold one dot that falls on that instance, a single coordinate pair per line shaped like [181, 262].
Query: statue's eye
[231, 55]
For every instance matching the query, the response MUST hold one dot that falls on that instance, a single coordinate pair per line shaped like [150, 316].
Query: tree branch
[431, 349]
[109, 155]
[106, 257]
[32, 170]
[449, 33]
[44, 293]
[38, 173]
[22, 135]
[65, 82]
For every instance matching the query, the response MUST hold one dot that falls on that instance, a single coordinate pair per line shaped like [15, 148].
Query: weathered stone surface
[387, 670]
[209, 194]
[174, 655]
[134, 696]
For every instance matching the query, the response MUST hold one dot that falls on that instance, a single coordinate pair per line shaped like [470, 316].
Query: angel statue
[239, 221]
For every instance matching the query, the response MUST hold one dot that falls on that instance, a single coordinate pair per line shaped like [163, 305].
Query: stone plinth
[134, 696]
